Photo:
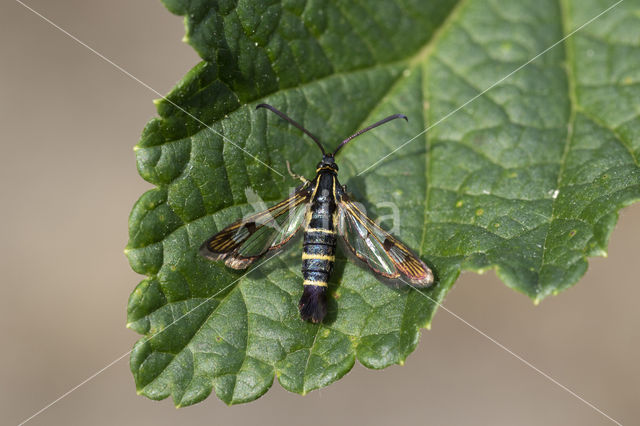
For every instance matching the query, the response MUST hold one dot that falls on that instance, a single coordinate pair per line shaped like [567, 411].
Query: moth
[322, 208]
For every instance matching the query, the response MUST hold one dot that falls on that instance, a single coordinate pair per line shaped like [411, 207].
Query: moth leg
[295, 176]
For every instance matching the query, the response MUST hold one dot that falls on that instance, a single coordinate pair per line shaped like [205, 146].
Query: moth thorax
[324, 196]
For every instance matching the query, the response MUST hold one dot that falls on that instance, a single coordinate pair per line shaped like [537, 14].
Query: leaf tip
[536, 301]
[185, 39]
[136, 148]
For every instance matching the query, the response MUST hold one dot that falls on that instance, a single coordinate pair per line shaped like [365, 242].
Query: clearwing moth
[324, 210]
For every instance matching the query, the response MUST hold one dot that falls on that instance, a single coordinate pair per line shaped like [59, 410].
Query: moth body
[319, 241]
[322, 209]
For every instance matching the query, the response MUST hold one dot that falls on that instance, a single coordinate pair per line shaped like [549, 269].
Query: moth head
[328, 160]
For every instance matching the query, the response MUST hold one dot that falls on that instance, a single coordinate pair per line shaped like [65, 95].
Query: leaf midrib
[571, 89]
[425, 53]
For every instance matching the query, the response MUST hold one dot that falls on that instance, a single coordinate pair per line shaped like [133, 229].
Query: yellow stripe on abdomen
[316, 283]
[325, 231]
[306, 256]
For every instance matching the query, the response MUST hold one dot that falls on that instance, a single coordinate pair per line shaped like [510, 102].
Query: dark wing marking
[245, 240]
[383, 253]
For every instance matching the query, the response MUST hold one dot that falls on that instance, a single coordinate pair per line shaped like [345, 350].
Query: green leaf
[527, 179]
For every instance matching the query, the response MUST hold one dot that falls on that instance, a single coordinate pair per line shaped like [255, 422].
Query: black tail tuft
[313, 303]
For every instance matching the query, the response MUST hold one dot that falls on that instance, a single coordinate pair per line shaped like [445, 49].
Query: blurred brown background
[68, 179]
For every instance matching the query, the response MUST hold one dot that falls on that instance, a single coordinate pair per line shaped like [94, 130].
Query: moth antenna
[366, 129]
[296, 124]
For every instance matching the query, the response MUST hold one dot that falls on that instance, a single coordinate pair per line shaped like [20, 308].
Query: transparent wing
[245, 240]
[384, 254]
